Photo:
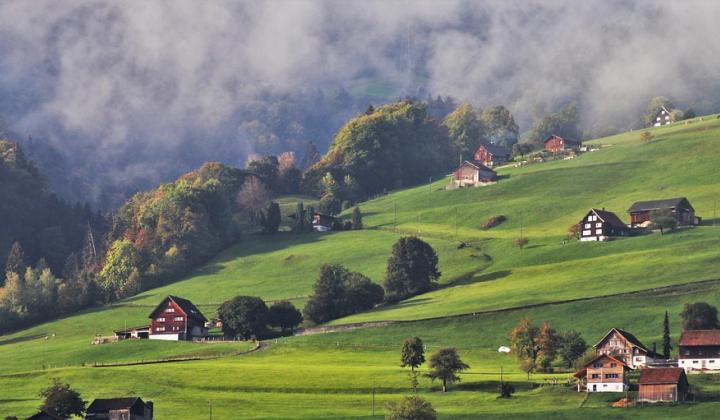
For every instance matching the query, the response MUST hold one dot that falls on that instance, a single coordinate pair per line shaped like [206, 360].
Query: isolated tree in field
[572, 346]
[16, 260]
[506, 390]
[699, 316]
[667, 347]
[646, 136]
[521, 242]
[253, 197]
[411, 269]
[445, 364]
[243, 316]
[62, 401]
[271, 218]
[548, 341]
[663, 219]
[357, 223]
[285, 315]
[413, 355]
[410, 408]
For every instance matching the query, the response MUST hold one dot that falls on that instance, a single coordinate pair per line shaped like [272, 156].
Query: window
[613, 365]
[598, 225]
[695, 361]
[170, 310]
[595, 376]
[178, 318]
[597, 364]
[587, 225]
[160, 329]
[587, 232]
[611, 376]
[598, 231]
[711, 361]
[161, 319]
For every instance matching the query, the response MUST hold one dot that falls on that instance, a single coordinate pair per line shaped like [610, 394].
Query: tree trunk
[444, 385]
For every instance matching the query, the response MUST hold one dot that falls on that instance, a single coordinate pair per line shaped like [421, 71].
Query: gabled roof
[629, 337]
[582, 371]
[191, 311]
[565, 140]
[662, 108]
[44, 415]
[609, 218]
[670, 375]
[669, 203]
[495, 149]
[477, 165]
[700, 338]
[103, 405]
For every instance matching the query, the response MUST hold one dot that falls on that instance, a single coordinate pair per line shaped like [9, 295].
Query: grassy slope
[312, 377]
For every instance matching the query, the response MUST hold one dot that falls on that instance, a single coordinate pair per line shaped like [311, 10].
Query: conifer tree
[667, 347]
[16, 261]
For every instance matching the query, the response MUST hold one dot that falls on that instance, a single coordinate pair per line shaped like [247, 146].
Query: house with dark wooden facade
[641, 211]
[492, 155]
[601, 225]
[625, 346]
[604, 373]
[662, 117]
[557, 144]
[472, 174]
[668, 384]
[130, 408]
[43, 415]
[699, 350]
[176, 318]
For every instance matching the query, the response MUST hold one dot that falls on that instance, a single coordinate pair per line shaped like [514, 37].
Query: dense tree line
[538, 347]
[250, 317]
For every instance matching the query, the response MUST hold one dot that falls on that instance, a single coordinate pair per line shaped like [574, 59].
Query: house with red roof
[668, 384]
[627, 347]
[176, 318]
[492, 154]
[472, 174]
[699, 350]
[604, 373]
[557, 144]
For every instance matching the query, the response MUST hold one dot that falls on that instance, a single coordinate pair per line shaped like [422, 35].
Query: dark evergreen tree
[667, 347]
[357, 222]
[411, 270]
[16, 261]
[300, 219]
[271, 218]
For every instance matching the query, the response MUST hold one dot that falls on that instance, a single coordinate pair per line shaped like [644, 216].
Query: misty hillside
[110, 104]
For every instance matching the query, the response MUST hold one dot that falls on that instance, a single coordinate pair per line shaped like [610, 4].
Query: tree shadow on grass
[23, 338]
[472, 278]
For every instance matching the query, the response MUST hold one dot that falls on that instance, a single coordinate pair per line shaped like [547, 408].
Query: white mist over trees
[133, 93]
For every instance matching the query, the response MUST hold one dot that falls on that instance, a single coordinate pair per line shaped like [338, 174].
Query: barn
[472, 174]
[667, 384]
[641, 211]
[176, 318]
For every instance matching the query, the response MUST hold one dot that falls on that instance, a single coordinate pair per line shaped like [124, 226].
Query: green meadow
[339, 375]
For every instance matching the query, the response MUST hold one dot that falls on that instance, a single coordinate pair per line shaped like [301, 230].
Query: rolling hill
[484, 290]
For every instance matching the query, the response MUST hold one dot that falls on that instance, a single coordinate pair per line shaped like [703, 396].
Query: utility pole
[373, 399]
[395, 216]
[210, 404]
[456, 222]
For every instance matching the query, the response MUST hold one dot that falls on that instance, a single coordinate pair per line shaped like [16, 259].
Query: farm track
[655, 291]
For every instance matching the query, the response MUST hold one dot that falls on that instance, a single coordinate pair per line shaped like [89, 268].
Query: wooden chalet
[626, 347]
[472, 174]
[557, 144]
[176, 318]
[130, 408]
[601, 225]
[641, 211]
[699, 350]
[492, 155]
[604, 373]
[662, 117]
[669, 384]
[323, 222]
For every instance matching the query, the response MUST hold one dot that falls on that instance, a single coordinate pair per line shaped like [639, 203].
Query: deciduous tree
[699, 316]
[572, 346]
[285, 315]
[413, 355]
[62, 401]
[663, 219]
[244, 316]
[445, 364]
[411, 269]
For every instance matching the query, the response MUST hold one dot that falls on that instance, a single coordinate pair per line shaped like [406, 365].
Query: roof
[495, 149]
[609, 218]
[669, 203]
[131, 329]
[700, 338]
[582, 371]
[629, 337]
[661, 109]
[670, 375]
[477, 165]
[44, 415]
[188, 307]
[102, 405]
[565, 140]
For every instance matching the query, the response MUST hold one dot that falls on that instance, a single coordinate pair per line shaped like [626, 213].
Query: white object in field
[504, 349]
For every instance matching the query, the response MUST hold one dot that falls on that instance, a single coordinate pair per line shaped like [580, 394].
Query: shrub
[506, 390]
[410, 408]
[494, 221]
